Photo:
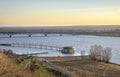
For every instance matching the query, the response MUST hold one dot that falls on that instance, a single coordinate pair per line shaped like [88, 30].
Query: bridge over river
[29, 33]
[10, 31]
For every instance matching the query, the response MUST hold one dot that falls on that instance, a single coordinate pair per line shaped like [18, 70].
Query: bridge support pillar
[60, 34]
[29, 35]
[45, 35]
[10, 35]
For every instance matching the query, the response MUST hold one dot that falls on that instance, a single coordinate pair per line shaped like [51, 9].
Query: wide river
[79, 42]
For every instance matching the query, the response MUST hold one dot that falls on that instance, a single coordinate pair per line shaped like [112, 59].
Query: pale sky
[59, 12]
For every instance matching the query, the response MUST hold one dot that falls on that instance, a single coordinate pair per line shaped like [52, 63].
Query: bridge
[29, 34]
[29, 31]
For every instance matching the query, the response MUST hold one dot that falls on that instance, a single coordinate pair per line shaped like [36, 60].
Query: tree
[107, 54]
[97, 52]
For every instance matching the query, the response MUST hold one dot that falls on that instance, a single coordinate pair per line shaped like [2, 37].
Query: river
[79, 42]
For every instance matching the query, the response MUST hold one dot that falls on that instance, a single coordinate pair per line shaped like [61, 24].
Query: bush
[8, 52]
[97, 52]
[32, 65]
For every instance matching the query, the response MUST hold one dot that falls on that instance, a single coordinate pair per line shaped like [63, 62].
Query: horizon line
[51, 25]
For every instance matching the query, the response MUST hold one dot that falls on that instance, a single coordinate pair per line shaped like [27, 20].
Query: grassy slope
[9, 68]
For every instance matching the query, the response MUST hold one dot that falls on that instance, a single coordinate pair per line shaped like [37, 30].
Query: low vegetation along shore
[13, 65]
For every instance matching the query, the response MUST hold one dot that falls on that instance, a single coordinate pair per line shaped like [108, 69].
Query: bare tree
[107, 54]
[97, 52]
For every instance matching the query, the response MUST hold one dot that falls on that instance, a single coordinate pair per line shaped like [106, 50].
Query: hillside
[13, 67]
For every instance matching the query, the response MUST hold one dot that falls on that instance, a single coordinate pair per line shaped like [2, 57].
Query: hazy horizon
[59, 25]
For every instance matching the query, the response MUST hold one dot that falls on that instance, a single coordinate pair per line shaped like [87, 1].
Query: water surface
[80, 42]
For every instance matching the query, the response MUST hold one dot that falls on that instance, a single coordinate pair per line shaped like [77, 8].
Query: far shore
[113, 31]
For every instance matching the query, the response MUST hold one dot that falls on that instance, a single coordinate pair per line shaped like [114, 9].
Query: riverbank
[73, 66]
[109, 35]
[85, 67]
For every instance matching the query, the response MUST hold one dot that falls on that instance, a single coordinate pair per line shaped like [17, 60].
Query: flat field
[85, 67]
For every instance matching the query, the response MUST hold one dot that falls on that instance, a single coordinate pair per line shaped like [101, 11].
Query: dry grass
[84, 67]
[9, 68]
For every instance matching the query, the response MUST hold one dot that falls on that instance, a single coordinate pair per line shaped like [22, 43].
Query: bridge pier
[45, 35]
[60, 34]
[29, 35]
[10, 35]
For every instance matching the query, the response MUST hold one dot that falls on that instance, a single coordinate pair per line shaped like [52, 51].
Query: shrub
[34, 66]
[97, 52]
[8, 52]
